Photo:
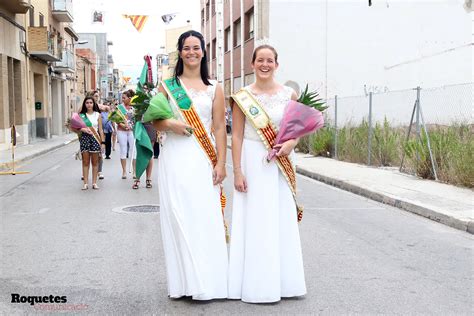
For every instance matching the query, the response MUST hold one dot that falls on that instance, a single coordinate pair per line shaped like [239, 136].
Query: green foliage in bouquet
[141, 101]
[116, 117]
[311, 99]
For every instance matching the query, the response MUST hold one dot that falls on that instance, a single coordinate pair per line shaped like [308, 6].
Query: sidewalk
[447, 204]
[26, 152]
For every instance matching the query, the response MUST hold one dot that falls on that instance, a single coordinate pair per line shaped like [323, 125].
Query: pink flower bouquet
[301, 117]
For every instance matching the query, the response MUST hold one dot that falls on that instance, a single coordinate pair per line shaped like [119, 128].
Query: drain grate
[147, 208]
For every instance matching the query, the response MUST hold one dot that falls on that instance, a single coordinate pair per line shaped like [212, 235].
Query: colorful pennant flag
[138, 21]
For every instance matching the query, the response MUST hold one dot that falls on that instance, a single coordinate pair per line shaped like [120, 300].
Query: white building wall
[389, 46]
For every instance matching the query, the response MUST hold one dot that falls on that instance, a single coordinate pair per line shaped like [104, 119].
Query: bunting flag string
[138, 21]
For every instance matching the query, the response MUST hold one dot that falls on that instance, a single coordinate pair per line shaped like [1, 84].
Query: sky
[129, 46]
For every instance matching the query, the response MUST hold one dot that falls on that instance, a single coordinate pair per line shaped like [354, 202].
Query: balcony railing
[41, 44]
[62, 10]
[67, 62]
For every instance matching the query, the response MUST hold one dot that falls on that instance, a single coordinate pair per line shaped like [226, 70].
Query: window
[213, 7]
[227, 43]
[208, 49]
[41, 19]
[202, 17]
[237, 39]
[249, 24]
[207, 11]
[32, 16]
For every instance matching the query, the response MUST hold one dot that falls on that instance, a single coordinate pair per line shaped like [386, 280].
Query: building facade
[230, 35]
[98, 43]
[13, 73]
[38, 82]
[342, 47]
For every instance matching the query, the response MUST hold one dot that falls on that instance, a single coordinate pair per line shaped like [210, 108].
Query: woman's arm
[218, 123]
[173, 125]
[238, 123]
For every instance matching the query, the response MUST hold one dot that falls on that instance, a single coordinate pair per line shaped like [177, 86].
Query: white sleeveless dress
[265, 261]
[190, 212]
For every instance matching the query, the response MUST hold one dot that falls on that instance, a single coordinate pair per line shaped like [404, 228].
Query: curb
[8, 165]
[464, 225]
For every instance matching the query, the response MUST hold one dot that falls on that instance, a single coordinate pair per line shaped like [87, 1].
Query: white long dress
[265, 261]
[191, 218]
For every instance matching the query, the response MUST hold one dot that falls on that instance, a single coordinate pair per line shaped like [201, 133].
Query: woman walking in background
[91, 140]
[109, 129]
[125, 132]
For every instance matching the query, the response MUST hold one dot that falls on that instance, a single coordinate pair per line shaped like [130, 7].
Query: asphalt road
[360, 257]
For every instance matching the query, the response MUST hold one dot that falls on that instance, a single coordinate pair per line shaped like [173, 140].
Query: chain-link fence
[428, 132]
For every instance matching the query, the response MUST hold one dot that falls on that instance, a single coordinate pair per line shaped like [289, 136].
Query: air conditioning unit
[469, 5]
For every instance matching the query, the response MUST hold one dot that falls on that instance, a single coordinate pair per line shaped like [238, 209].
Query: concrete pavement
[446, 204]
[27, 152]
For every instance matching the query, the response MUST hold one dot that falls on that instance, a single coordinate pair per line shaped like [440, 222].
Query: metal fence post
[418, 131]
[370, 131]
[433, 164]
[335, 127]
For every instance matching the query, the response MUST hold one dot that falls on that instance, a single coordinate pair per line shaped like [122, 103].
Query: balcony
[66, 64]
[62, 10]
[17, 6]
[41, 44]
[71, 32]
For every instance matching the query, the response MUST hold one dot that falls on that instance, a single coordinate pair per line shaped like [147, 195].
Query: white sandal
[85, 186]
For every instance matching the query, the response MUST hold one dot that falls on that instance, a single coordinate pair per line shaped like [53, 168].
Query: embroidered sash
[266, 130]
[182, 102]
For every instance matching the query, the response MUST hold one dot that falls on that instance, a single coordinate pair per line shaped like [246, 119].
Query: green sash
[88, 123]
[184, 104]
[180, 99]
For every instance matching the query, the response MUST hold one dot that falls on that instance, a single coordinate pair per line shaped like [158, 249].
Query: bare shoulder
[162, 89]
[291, 92]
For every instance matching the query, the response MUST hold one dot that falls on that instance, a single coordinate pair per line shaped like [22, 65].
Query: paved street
[361, 257]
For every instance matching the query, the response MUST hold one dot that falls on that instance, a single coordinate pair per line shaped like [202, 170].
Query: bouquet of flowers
[76, 122]
[158, 109]
[300, 118]
[141, 101]
[119, 115]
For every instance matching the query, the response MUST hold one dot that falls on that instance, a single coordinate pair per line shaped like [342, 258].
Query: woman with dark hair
[125, 131]
[91, 139]
[104, 110]
[191, 169]
[265, 262]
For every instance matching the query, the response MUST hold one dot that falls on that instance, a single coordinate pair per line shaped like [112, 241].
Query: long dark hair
[178, 70]
[129, 93]
[84, 108]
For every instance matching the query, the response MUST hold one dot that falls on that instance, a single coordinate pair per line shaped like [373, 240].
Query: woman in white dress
[191, 218]
[265, 261]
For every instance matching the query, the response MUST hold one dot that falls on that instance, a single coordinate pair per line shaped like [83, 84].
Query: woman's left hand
[285, 148]
[218, 174]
